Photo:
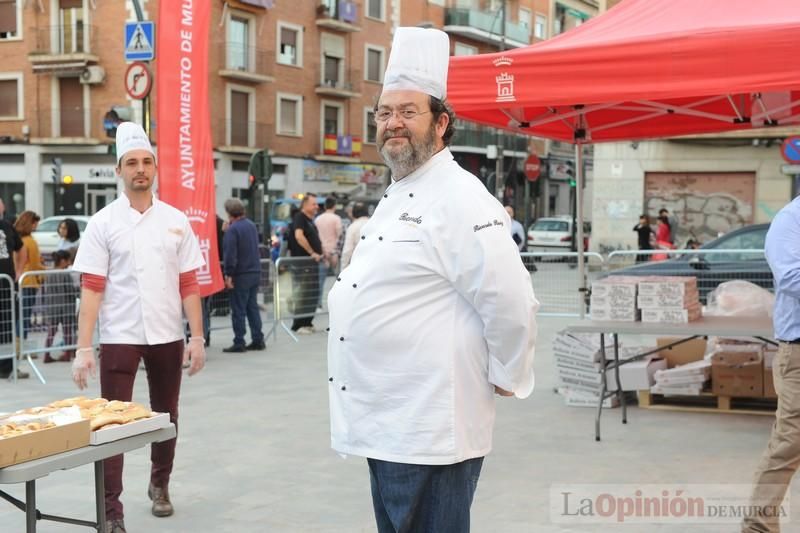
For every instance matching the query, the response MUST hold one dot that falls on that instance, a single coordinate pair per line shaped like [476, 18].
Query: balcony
[485, 27]
[340, 148]
[473, 137]
[245, 63]
[337, 16]
[240, 136]
[347, 86]
[69, 126]
[66, 48]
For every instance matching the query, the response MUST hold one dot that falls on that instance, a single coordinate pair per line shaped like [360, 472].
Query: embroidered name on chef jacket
[478, 227]
[405, 218]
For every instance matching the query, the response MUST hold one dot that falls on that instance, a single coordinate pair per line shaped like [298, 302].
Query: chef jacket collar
[441, 156]
[126, 202]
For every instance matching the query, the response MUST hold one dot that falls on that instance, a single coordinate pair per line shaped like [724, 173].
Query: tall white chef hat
[418, 62]
[131, 136]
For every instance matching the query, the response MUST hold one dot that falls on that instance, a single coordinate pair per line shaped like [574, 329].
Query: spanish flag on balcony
[344, 145]
[330, 145]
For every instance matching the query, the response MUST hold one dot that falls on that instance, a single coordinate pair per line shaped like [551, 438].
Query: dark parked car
[713, 268]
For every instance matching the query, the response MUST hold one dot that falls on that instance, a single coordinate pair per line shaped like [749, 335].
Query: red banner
[186, 166]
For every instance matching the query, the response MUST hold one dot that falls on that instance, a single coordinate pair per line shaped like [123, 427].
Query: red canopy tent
[645, 69]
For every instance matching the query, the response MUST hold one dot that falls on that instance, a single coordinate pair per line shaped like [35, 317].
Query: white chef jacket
[435, 309]
[141, 255]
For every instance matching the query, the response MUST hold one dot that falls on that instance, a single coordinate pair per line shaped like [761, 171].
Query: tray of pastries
[112, 420]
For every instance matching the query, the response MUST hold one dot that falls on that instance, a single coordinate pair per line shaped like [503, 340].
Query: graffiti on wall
[706, 204]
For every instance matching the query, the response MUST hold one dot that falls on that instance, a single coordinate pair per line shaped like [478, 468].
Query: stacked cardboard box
[614, 298]
[577, 357]
[737, 368]
[669, 299]
[687, 351]
[578, 363]
[689, 379]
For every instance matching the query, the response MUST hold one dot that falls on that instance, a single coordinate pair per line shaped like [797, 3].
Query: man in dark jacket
[10, 246]
[305, 243]
[242, 266]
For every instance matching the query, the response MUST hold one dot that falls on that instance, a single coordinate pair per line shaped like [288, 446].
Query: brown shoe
[115, 526]
[161, 504]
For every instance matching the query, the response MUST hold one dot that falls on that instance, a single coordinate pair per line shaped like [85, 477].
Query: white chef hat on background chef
[418, 62]
[131, 136]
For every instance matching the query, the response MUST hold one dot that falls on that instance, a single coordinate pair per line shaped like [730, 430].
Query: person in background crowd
[663, 237]
[434, 315]
[329, 227]
[517, 231]
[353, 234]
[69, 236]
[3, 211]
[12, 257]
[242, 266]
[305, 242]
[27, 222]
[781, 458]
[211, 299]
[646, 237]
[59, 296]
[347, 219]
[139, 259]
[672, 222]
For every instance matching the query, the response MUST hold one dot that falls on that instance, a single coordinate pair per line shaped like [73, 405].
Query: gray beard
[412, 156]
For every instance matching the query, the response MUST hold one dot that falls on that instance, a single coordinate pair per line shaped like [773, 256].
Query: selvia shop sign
[82, 173]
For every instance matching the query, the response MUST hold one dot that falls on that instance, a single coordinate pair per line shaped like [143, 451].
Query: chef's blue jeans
[423, 498]
[244, 303]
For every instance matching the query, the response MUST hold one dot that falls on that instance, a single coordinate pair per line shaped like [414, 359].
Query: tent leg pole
[579, 181]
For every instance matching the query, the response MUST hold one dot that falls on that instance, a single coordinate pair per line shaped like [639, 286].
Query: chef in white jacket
[434, 316]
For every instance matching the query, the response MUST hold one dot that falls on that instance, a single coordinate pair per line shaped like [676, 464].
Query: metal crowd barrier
[556, 280]
[8, 313]
[219, 304]
[299, 293]
[48, 316]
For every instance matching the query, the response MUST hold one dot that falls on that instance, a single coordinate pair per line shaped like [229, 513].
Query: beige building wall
[619, 180]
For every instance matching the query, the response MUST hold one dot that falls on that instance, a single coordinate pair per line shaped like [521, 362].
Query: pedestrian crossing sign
[139, 43]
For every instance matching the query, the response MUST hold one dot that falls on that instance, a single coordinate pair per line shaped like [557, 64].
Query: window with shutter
[9, 99]
[240, 112]
[8, 18]
[288, 116]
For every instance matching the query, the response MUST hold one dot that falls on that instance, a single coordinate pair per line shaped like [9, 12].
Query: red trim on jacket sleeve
[93, 282]
[188, 284]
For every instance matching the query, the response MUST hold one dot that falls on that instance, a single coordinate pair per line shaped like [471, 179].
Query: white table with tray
[30, 471]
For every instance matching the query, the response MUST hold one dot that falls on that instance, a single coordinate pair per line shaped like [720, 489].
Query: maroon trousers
[118, 366]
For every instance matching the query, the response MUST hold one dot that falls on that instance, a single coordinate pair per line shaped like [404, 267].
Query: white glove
[83, 366]
[195, 354]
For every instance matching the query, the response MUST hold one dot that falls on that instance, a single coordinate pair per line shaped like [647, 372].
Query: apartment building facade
[297, 78]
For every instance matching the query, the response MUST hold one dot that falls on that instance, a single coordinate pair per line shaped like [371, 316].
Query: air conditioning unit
[93, 75]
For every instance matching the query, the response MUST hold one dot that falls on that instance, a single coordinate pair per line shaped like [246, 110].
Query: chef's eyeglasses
[406, 113]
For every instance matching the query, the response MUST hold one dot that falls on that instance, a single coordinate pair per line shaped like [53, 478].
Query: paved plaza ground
[254, 455]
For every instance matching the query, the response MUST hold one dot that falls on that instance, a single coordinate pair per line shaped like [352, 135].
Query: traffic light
[67, 180]
[260, 170]
[55, 170]
[571, 173]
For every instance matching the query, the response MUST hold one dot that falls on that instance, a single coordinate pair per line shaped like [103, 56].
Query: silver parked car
[47, 237]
